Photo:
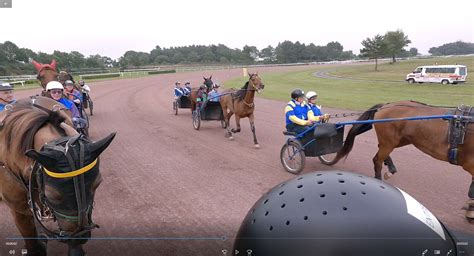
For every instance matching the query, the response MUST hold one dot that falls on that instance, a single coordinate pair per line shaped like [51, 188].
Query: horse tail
[354, 131]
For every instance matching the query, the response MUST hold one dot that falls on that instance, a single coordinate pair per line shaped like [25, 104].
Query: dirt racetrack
[187, 191]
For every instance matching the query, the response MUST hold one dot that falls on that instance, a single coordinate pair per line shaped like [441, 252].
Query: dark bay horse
[193, 95]
[44, 159]
[429, 136]
[241, 104]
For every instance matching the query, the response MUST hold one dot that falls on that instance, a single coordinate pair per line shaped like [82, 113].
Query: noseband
[46, 211]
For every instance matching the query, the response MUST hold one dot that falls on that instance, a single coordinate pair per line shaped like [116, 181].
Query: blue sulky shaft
[414, 118]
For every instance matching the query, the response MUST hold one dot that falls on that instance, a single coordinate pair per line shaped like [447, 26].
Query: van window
[462, 71]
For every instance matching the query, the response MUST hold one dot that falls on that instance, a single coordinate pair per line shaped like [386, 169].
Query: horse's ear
[98, 147]
[37, 65]
[43, 159]
[204, 78]
[250, 74]
[53, 64]
[210, 77]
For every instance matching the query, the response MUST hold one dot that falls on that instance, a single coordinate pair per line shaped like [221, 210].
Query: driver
[71, 93]
[55, 91]
[298, 115]
[6, 95]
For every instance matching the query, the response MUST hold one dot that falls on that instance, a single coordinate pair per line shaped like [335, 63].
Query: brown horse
[429, 136]
[240, 102]
[193, 95]
[61, 184]
[46, 73]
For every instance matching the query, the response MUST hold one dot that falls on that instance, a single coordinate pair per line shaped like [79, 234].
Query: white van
[445, 74]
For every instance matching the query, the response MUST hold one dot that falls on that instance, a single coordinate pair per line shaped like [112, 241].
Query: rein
[346, 114]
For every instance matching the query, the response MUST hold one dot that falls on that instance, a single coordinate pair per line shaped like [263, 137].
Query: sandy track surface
[188, 191]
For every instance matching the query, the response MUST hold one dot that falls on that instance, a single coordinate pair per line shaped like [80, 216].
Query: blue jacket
[297, 113]
[186, 90]
[2, 106]
[214, 96]
[178, 92]
[316, 109]
[71, 106]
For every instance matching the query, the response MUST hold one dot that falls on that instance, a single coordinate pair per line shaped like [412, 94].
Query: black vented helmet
[297, 93]
[340, 213]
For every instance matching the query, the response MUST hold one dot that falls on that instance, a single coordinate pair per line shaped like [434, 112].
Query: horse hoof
[257, 146]
[387, 175]
[231, 138]
[470, 216]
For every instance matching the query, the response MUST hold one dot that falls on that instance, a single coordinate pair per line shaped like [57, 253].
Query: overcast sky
[112, 27]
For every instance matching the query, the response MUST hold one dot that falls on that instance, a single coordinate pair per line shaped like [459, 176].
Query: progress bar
[221, 238]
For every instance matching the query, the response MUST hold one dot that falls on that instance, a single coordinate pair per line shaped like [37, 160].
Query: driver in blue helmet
[298, 115]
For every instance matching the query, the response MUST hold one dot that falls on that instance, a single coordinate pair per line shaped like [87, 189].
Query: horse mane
[21, 125]
[240, 94]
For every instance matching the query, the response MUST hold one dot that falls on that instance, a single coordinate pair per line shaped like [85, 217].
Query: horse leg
[379, 158]
[237, 122]
[391, 168]
[470, 202]
[227, 116]
[252, 127]
[26, 226]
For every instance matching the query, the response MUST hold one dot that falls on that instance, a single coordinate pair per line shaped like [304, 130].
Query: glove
[77, 101]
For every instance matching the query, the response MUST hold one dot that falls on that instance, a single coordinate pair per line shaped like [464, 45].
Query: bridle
[37, 190]
[251, 105]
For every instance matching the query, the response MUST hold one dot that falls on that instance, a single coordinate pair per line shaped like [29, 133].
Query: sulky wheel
[292, 157]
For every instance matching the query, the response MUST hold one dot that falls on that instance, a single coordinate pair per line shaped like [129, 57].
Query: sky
[110, 28]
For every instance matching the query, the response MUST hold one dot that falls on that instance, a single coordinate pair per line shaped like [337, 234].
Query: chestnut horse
[63, 180]
[46, 73]
[193, 95]
[429, 136]
[240, 102]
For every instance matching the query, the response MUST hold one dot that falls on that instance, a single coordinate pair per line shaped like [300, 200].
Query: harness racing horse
[48, 172]
[46, 73]
[193, 95]
[430, 136]
[241, 103]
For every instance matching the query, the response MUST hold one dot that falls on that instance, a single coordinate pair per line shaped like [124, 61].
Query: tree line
[15, 60]
[392, 45]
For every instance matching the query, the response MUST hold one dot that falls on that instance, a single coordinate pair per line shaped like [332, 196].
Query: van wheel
[445, 82]
[411, 81]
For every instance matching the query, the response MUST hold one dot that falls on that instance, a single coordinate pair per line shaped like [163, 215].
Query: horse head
[256, 82]
[63, 76]
[69, 176]
[46, 72]
[208, 83]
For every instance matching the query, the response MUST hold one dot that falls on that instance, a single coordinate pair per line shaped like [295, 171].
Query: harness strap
[457, 131]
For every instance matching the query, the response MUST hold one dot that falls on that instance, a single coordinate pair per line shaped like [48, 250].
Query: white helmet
[54, 85]
[311, 94]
